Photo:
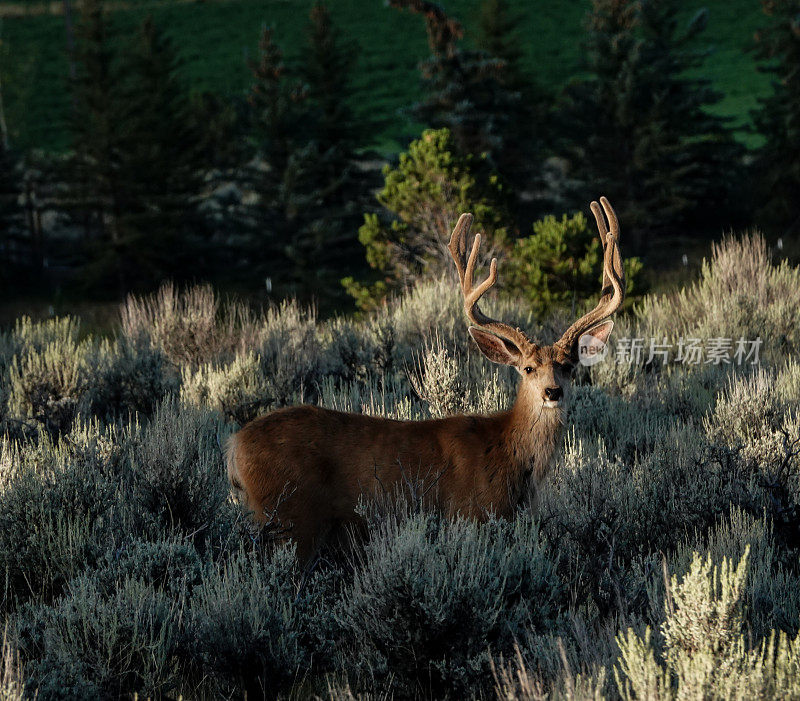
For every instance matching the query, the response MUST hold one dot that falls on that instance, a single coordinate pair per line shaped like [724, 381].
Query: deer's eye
[528, 370]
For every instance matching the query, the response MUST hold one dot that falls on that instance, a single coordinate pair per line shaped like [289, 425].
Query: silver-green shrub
[757, 416]
[56, 512]
[377, 396]
[603, 511]
[294, 354]
[128, 377]
[112, 480]
[171, 565]
[246, 624]
[175, 477]
[740, 293]
[95, 644]
[431, 597]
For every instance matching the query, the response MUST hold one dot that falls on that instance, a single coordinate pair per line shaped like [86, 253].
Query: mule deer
[308, 466]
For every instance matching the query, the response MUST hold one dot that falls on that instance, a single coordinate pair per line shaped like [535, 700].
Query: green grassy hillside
[217, 37]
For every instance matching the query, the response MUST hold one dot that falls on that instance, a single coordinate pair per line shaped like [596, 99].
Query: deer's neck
[533, 434]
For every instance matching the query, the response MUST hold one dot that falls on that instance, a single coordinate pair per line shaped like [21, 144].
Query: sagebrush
[661, 560]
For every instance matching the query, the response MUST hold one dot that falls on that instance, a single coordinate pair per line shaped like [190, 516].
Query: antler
[466, 271]
[613, 292]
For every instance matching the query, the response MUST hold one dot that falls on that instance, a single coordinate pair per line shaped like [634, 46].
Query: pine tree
[10, 189]
[275, 102]
[467, 90]
[694, 152]
[100, 194]
[527, 118]
[640, 126]
[777, 166]
[162, 160]
[219, 124]
[326, 238]
[422, 199]
[136, 167]
[499, 37]
[278, 116]
[327, 66]
[307, 134]
[559, 265]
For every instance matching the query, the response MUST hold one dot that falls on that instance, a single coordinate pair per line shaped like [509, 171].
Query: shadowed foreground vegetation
[663, 560]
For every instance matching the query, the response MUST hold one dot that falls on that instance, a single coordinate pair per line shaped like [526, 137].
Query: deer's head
[545, 370]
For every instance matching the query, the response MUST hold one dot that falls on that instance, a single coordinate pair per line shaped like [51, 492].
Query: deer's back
[337, 456]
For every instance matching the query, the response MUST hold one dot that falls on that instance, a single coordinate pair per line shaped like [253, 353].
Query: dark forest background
[326, 154]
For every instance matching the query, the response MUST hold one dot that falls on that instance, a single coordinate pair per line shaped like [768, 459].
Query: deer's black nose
[553, 393]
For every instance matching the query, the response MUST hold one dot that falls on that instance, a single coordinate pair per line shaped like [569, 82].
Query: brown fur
[305, 467]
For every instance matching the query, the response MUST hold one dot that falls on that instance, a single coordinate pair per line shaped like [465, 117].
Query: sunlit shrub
[239, 390]
[191, 326]
[517, 680]
[12, 686]
[705, 653]
[439, 382]
[48, 384]
[771, 594]
[35, 336]
[740, 294]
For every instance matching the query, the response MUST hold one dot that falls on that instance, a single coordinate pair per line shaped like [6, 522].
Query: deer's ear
[602, 331]
[590, 343]
[496, 349]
